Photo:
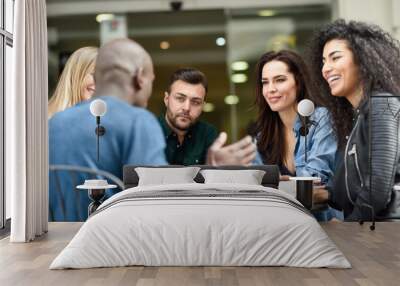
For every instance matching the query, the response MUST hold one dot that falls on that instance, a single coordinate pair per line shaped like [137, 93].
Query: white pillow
[164, 176]
[249, 177]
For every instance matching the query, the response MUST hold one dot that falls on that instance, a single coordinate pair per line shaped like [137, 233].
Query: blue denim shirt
[133, 136]
[321, 147]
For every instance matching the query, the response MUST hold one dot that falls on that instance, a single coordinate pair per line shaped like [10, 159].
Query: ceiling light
[208, 107]
[104, 17]
[266, 13]
[239, 66]
[231, 99]
[220, 41]
[239, 78]
[164, 45]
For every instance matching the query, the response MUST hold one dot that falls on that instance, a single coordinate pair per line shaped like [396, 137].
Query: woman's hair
[377, 56]
[269, 127]
[69, 88]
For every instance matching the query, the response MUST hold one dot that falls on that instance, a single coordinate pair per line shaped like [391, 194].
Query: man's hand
[320, 194]
[242, 152]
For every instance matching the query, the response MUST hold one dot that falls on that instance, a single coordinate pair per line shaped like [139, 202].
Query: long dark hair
[271, 136]
[377, 56]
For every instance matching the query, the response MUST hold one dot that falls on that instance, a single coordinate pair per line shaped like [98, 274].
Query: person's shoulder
[206, 128]
[71, 113]
[161, 119]
[124, 108]
[381, 96]
[321, 113]
[380, 103]
[116, 103]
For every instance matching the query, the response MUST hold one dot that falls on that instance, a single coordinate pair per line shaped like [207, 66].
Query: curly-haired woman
[357, 67]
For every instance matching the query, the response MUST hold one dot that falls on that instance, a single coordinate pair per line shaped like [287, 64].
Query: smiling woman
[76, 82]
[282, 82]
[340, 71]
[357, 67]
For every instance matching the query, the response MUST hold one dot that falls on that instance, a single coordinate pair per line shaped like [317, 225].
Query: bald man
[124, 69]
[124, 76]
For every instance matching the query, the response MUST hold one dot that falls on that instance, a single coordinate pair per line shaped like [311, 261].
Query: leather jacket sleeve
[383, 120]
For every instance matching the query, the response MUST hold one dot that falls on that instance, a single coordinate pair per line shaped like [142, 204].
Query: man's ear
[166, 97]
[138, 79]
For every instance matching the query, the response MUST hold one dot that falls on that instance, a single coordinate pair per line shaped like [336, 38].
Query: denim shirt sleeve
[147, 143]
[321, 148]
[257, 160]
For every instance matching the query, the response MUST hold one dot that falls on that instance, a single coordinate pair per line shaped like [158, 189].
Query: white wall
[66, 7]
[384, 13]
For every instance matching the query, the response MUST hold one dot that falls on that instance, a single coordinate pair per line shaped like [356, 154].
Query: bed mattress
[201, 225]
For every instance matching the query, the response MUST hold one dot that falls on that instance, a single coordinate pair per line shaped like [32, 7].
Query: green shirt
[193, 150]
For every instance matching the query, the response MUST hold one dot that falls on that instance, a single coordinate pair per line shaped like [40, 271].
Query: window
[6, 63]
[9, 13]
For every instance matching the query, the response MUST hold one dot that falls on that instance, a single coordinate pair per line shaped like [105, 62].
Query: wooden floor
[375, 257]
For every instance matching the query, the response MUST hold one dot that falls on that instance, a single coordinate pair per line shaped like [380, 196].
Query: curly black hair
[375, 52]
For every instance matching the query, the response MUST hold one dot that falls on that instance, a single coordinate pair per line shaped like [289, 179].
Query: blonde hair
[69, 88]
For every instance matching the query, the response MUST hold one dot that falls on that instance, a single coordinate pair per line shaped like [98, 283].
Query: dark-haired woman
[282, 82]
[357, 67]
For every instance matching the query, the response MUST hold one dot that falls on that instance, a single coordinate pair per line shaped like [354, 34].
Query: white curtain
[26, 124]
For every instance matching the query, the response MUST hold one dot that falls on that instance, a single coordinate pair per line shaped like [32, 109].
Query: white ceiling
[77, 7]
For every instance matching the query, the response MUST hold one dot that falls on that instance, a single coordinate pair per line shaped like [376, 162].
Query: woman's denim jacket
[321, 147]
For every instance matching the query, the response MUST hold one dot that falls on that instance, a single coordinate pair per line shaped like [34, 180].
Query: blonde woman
[76, 82]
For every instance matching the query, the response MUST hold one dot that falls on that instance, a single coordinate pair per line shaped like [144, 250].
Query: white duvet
[185, 230]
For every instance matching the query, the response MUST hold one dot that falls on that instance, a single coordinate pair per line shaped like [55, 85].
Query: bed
[201, 224]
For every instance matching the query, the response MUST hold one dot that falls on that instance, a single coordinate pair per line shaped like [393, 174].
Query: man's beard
[173, 121]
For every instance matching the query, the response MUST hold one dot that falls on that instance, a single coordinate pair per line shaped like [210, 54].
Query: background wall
[249, 28]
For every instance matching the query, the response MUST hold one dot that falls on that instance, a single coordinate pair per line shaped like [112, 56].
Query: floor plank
[375, 257]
